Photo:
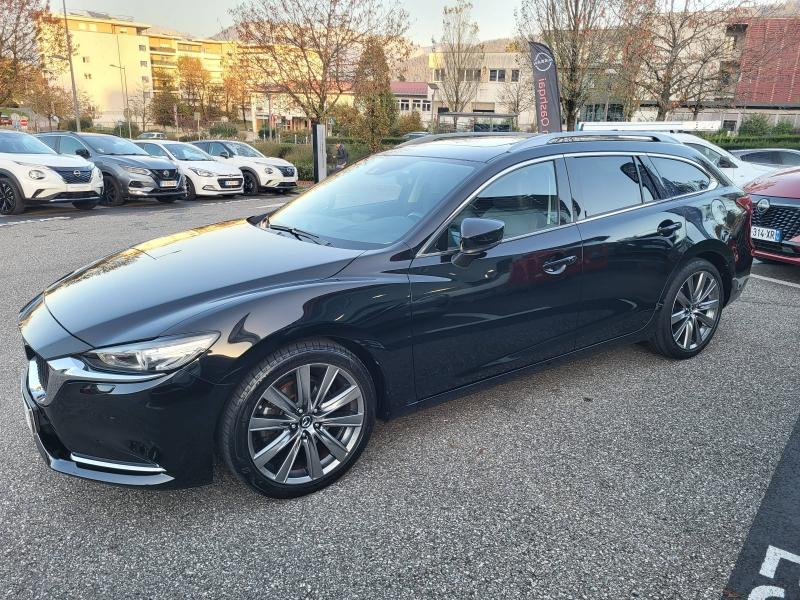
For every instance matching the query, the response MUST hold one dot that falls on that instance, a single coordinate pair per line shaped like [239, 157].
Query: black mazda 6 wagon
[412, 276]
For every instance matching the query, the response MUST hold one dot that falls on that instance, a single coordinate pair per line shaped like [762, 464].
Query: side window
[202, 145]
[50, 140]
[69, 145]
[710, 154]
[525, 199]
[648, 179]
[767, 158]
[154, 150]
[680, 177]
[217, 149]
[601, 184]
[790, 159]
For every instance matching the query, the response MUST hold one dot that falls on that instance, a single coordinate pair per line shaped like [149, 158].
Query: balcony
[162, 50]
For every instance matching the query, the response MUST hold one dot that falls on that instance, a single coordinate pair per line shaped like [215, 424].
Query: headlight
[269, 170]
[137, 170]
[203, 172]
[164, 354]
[36, 174]
[97, 173]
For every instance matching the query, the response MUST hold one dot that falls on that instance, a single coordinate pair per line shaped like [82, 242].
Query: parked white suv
[260, 172]
[31, 172]
[739, 171]
[204, 175]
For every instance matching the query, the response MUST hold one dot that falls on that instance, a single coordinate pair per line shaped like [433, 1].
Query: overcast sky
[204, 18]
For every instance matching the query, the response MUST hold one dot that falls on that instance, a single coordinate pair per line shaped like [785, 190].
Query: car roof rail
[433, 137]
[604, 136]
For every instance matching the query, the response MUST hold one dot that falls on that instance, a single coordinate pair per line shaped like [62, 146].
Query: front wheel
[299, 420]
[112, 194]
[250, 184]
[11, 201]
[191, 193]
[690, 315]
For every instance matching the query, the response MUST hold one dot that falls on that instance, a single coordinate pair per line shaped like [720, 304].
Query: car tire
[11, 200]
[191, 193]
[690, 314]
[298, 449]
[112, 194]
[85, 204]
[250, 184]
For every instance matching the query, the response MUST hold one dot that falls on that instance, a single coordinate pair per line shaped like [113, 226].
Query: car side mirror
[726, 163]
[224, 154]
[82, 152]
[477, 236]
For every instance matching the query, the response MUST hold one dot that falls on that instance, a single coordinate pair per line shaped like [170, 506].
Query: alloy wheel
[306, 423]
[696, 310]
[249, 184]
[8, 199]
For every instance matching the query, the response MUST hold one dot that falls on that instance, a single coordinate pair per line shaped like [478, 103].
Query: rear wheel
[85, 204]
[690, 315]
[299, 420]
[250, 184]
[11, 201]
[112, 194]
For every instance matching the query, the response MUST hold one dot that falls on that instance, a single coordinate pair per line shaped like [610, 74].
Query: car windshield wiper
[298, 233]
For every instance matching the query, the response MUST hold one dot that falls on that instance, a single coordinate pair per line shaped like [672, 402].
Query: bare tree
[308, 50]
[517, 96]
[460, 56]
[581, 34]
[139, 106]
[686, 43]
[27, 30]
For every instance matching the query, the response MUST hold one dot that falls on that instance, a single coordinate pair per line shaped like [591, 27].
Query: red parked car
[776, 217]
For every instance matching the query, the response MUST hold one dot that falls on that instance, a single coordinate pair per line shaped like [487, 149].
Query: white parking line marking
[780, 281]
[35, 221]
[269, 205]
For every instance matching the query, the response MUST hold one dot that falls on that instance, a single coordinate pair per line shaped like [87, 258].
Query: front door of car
[514, 305]
[631, 243]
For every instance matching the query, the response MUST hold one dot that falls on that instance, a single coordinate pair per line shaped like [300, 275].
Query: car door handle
[557, 266]
[668, 228]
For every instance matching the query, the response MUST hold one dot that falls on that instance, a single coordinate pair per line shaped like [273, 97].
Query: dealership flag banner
[545, 88]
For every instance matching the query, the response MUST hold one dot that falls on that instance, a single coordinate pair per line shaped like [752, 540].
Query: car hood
[267, 161]
[138, 293]
[780, 184]
[50, 160]
[212, 166]
[134, 160]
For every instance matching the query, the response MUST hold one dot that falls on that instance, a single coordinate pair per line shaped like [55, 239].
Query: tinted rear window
[679, 177]
[601, 184]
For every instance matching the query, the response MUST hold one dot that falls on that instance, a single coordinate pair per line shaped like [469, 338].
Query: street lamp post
[123, 84]
[71, 71]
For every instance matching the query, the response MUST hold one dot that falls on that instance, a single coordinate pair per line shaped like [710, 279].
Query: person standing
[341, 156]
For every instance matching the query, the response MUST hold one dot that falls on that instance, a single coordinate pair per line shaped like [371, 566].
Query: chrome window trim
[713, 180]
[432, 239]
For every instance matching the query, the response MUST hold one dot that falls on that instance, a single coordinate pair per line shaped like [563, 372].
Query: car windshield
[22, 143]
[241, 149]
[187, 152]
[373, 203]
[109, 144]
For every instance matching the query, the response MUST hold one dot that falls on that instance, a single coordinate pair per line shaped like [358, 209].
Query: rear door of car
[632, 241]
[514, 305]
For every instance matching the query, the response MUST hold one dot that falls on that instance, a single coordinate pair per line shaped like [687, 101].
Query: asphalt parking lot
[619, 475]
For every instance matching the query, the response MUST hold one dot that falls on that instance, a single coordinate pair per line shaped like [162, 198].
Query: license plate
[231, 184]
[766, 234]
[169, 184]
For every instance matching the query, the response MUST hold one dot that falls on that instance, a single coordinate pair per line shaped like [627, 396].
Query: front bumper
[143, 186]
[156, 432]
[277, 181]
[215, 186]
[54, 189]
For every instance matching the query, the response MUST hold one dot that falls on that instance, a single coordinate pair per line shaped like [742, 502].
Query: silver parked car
[774, 157]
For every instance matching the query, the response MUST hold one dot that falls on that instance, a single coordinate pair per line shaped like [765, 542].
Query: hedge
[742, 142]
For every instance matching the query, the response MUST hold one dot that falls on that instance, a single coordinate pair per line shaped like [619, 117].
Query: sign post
[545, 88]
[320, 152]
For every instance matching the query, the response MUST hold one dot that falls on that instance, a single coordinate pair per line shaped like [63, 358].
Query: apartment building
[148, 57]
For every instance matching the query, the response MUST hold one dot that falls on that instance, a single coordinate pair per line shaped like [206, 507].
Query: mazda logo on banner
[545, 88]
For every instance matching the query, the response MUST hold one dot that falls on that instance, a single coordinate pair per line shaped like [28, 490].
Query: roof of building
[409, 88]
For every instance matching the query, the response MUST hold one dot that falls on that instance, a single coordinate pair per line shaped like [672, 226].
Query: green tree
[755, 125]
[373, 96]
[162, 108]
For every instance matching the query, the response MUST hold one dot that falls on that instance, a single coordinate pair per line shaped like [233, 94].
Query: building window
[426, 106]
[514, 75]
[416, 104]
[142, 48]
[87, 75]
[472, 74]
[403, 104]
[145, 79]
[143, 63]
[85, 59]
[146, 95]
[497, 75]
[438, 74]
